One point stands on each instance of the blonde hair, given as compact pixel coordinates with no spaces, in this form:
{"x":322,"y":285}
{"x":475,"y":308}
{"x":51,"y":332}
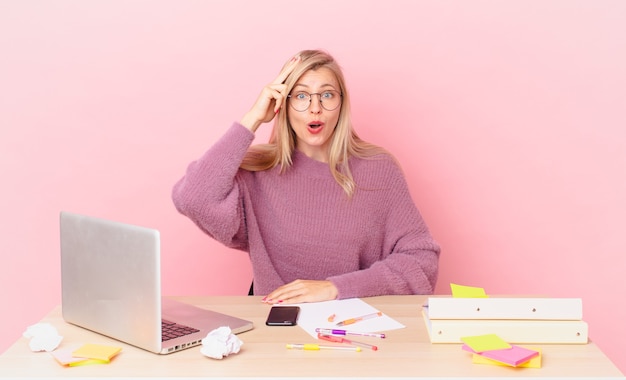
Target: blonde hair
{"x":344,"y":142}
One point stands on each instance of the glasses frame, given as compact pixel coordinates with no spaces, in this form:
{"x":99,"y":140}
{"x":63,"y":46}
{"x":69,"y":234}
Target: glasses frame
{"x":321,"y":101}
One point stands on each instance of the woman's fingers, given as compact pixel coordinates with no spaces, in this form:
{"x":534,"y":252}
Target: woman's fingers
{"x":278,"y":83}
{"x":278,"y":95}
{"x":303,"y":291}
{"x":288,"y":69}
{"x":271,"y":98}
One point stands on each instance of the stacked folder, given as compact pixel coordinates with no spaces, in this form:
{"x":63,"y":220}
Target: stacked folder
{"x":515,"y":320}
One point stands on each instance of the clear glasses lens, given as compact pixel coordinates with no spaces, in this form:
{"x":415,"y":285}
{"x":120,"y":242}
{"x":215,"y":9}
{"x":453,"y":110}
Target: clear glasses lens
{"x":329,"y":100}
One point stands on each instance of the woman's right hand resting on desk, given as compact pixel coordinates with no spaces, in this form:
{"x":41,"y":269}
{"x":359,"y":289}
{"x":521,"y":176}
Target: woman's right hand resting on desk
{"x":302,"y":291}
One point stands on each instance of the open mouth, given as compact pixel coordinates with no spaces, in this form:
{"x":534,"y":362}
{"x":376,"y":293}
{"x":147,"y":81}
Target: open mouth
{"x":315,"y":126}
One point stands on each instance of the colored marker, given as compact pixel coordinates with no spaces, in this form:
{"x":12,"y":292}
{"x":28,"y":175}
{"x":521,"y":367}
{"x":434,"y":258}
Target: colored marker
{"x":345,"y":332}
{"x":361,"y":318}
{"x":317,"y":347}
{"x":338,"y":339}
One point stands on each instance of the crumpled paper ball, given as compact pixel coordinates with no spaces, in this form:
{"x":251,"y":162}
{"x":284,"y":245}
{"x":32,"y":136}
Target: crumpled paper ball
{"x":220,"y":342}
{"x":43,"y":337}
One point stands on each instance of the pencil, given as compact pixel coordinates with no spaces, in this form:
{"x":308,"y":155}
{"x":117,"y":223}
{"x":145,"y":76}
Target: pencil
{"x":317,"y":347}
{"x":361,"y":318}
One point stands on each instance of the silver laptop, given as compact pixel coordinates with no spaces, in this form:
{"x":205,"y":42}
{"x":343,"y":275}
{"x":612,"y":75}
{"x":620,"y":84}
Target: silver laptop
{"x":111,"y":284}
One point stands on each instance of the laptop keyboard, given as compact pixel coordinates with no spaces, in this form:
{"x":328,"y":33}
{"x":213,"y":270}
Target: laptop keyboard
{"x":172,"y":330}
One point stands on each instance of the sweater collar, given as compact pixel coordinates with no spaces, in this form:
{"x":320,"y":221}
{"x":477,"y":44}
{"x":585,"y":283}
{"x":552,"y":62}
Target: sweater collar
{"x":302,"y":162}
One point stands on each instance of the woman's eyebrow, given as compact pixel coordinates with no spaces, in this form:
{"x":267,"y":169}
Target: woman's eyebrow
{"x":307,"y":86}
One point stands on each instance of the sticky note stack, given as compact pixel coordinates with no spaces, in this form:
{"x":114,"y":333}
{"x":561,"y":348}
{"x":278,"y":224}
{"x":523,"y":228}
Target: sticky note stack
{"x":85,"y":354}
{"x":518,"y":320}
{"x":491,"y":349}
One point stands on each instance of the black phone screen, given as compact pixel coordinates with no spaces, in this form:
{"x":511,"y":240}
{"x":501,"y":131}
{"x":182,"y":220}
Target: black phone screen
{"x":283,"y":316}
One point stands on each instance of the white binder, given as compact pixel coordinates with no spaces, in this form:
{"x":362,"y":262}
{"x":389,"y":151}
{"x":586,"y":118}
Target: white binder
{"x":512,"y":331}
{"x":505,"y":308}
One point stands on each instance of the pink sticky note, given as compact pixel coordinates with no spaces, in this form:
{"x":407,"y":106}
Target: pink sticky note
{"x":535,"y":362}
{"x":513,"y":356}
{"x":64,"y":356}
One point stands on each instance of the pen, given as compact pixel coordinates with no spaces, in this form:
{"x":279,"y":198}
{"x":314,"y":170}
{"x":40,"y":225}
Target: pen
{"x":339,"y":339}
{"x":344,"y":332}
{"x":361,"y":318}
{"x":317,"y":347}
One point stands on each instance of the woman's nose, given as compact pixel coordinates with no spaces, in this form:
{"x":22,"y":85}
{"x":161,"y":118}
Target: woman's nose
{"x":316,"y":104}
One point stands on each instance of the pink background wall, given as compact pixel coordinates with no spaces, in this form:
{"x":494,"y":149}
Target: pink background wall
{"x":507,"y":116}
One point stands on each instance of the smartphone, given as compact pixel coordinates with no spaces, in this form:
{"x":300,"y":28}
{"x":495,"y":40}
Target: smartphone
{"x":283,"y":316}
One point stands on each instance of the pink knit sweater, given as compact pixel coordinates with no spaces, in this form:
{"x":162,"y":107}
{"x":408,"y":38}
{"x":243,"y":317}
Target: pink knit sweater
{"x":301,"y":225}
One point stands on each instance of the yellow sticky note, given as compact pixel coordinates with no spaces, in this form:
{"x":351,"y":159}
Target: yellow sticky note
{"x":461,"y":291}
{"x":532,"y":363}
{"x":97,"y":351}
{"x":89,"y":362}
{"x":487,"y":342}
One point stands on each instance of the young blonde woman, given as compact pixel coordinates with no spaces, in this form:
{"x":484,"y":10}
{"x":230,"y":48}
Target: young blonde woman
{"x":323,"y":214}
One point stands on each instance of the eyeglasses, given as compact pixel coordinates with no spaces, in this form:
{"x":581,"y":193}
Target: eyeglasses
{"x":329,"y":100}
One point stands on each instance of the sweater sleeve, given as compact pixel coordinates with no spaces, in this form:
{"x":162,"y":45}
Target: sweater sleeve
{"x":409,"y":261}
{"x":209,"y":193}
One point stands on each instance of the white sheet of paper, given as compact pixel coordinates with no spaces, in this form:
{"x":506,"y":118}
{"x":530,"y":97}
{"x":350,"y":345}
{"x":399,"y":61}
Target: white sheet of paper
{"x":315,"y":315}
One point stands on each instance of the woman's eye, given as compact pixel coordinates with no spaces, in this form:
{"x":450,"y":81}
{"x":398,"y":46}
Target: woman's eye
{"x":327,"y":95}
{"x":302,"y":96}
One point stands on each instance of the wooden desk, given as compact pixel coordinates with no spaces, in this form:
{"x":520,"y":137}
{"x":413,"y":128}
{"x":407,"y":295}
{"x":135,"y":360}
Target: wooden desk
{"x":405,"y":353}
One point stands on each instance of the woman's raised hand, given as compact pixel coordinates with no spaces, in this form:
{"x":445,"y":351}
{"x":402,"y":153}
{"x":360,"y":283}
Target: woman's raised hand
{"x":270,"y":100}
